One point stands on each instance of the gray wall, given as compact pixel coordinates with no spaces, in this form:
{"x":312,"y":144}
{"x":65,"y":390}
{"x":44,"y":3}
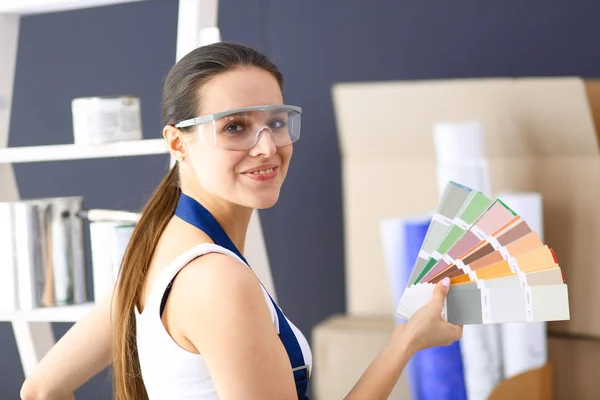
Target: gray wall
{"x":129,"y":49}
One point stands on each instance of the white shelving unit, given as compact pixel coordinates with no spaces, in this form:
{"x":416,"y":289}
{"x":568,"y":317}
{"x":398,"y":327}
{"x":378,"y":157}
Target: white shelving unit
{"x":62,"y":152}
{"x":197,"y":25}
{"x":32,"y":328}
{"x":27,"y":7}
{"x":48,"y":314}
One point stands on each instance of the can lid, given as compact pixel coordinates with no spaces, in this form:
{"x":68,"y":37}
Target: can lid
{"x":129,"y":98}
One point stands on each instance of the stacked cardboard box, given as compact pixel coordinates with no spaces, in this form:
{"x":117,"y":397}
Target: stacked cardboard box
{"x":540,"y":135}
{"x":344,"y":347}
{"x":575,"y":363}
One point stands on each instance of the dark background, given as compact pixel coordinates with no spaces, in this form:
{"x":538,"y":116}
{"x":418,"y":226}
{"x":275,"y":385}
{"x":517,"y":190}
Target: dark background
{"x":128,"y":49}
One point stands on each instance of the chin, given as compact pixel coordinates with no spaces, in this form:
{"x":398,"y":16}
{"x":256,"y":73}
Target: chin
{"x":262,"y":201}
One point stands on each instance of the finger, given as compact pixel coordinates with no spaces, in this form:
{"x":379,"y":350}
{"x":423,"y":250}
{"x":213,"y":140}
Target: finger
{"x":456,"y":331}
{"x":440,"y":291}
{"x":452,"y":333}
{"x":459,"y":330}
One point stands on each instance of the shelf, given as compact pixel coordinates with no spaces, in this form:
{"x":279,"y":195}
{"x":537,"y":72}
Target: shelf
{"x":63,"y":152}
{"x":48,"y":314}
{"x":25,"y":7}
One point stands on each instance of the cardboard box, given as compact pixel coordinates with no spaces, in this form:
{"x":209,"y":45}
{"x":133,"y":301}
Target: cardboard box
{"x":343,"y":348}
{"x":575,"y":368}
{"x":539,"y":136}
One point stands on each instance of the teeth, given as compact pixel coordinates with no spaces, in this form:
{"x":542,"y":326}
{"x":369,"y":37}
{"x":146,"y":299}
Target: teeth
{"x":266,"y":171}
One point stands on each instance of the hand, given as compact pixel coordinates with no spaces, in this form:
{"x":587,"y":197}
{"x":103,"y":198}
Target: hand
{"x":426,"y":328}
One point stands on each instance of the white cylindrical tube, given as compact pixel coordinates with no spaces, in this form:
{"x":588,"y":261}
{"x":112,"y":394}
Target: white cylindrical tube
{"x":460,"y":155}
{"x":482,"y":359}
{"x":524,"y":347}
{"x":524,"y":344}
{"x":457,"y":141}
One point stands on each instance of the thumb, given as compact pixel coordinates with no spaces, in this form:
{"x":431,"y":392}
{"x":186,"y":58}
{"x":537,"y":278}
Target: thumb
{"x":440,"y":291}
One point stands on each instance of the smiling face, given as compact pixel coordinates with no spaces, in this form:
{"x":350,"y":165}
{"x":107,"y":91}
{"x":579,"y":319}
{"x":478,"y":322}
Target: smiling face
{"x":250,"y":178}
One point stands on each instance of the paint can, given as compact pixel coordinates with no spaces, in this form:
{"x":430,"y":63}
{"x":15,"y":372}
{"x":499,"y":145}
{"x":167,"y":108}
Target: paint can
{"x":106,"y":119}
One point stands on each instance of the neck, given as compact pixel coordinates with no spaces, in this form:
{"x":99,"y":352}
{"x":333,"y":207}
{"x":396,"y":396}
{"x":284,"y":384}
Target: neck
{"x":233,"y":218}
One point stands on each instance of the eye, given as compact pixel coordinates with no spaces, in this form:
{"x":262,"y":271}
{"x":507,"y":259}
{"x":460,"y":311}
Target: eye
{"x":234,"y":128}
{"x":277,"y":124}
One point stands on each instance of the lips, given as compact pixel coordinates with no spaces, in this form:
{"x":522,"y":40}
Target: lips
{"x":262,"y":169}
{"x":262,"y":173}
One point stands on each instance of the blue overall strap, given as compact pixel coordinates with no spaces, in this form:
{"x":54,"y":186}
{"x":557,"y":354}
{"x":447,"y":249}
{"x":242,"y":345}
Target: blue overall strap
{"x":195,"y":214}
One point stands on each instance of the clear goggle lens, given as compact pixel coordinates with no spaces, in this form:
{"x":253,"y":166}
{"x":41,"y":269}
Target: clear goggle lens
{"x":241,"y":129}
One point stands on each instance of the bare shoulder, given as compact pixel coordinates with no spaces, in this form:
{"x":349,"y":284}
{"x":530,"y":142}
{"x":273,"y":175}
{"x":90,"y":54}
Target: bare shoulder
{"x":215,"y":290}
{"x":214,"y":275}
{"x":219,"y":308}
{"x":210,"y":280}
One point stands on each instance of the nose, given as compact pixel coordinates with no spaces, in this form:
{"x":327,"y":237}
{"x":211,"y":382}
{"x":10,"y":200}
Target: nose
{"x":265,"y":145}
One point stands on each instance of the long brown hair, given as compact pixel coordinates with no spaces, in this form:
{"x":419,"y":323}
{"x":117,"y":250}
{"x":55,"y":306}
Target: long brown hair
{"x":180,"y":101}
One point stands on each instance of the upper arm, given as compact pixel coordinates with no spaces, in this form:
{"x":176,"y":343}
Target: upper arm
{"x":218,"y":305}
{"x":84,"y":351}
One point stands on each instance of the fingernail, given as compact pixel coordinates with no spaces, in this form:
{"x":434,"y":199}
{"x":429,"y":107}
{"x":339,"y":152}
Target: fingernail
{"x":446,"y":282}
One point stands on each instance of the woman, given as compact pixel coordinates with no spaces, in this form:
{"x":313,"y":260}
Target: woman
{"x":189,"y":319}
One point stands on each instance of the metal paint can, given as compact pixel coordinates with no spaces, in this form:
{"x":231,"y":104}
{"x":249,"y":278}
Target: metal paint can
{"x":106,"y":119}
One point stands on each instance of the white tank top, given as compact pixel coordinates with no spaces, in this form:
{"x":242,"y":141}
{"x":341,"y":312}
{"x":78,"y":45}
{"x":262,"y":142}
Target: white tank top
{"x":170,"y":372}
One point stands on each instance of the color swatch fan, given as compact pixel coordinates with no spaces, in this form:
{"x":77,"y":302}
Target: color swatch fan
{"x":499,"y":268}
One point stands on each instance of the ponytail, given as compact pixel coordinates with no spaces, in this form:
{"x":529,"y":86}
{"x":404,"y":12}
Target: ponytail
{"x":128,"y":384}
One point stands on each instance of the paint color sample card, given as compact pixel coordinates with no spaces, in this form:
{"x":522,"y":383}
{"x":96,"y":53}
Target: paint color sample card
{"x":533,"y":260}
{"x":469,"y":215}
{"x":470,"y":305}
{"x":496,"y":217}
{"x":460,"y":208}
{"x":454,"y":199}
{"x":487,"y":255}
{"x":500,"y":270}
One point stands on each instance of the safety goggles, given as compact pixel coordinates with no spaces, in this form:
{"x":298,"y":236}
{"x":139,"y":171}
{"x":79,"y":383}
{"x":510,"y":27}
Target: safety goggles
{"x":241,"y":128}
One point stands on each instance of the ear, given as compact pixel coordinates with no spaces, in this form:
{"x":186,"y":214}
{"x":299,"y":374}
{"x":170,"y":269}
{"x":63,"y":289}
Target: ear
{"x":174,"y":139}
